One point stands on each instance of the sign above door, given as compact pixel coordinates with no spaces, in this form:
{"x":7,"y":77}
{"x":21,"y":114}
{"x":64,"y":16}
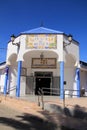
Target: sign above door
{"x":44,"y":63}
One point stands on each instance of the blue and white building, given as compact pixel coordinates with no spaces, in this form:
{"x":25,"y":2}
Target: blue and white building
{"x":43,"y":58}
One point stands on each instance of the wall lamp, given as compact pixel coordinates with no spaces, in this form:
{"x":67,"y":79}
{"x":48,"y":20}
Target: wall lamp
{"x":12,"y":40}
{"x":69,"y":39}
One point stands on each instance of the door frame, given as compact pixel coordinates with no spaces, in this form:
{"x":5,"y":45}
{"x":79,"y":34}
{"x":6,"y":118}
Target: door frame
{"x":43,"y":74}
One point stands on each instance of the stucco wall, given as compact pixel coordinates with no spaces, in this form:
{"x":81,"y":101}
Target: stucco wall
{"x":71,"y":49}
{"x":12,"y":49}
{"x":12,"y":80}
{"x":83,"y":78}
{"x":2,"y":81}
{"x":69,"y":74}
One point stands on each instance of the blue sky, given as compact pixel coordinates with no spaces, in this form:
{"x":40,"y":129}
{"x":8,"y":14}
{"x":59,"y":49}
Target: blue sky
{"x":69,"y":16}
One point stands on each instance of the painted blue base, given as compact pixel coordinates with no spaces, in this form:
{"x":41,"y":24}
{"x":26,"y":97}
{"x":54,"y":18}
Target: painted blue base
{"x":5,"y":86}
{"x":18,"y":79}
{"x":78,"y":81}
{"x":62,"y":80}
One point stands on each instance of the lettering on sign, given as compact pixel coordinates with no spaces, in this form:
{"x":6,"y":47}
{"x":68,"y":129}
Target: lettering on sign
{"x":43,"y":63}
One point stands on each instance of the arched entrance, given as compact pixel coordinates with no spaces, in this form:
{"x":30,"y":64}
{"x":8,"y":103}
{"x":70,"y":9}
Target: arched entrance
{"x":41,"y":72}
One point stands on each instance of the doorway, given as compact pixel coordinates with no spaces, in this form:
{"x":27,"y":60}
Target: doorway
{"x":43,"y":81}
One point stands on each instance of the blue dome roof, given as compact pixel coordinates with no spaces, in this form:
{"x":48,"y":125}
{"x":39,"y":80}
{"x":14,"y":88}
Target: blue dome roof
{"x":42,"y":30}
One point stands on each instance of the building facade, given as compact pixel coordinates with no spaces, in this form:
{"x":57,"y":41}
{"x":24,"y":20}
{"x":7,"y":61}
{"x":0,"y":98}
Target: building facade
{"x":42,"y":58}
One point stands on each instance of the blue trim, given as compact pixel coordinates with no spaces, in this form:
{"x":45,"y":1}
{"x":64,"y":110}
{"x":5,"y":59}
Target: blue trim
{"x":18,"y":79}
{"x":6,"y":80}
{"x":78,"y":81}
{"x":62,"y":79}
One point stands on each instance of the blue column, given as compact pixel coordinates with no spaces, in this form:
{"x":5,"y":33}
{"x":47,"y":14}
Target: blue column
{"x":6,"y":80}
{"x":77,"y":79}
{"x":62,"y":79}
{"x":18,"y":79}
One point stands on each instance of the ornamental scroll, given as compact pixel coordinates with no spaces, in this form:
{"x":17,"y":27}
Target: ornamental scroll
{"x":41,"y":41}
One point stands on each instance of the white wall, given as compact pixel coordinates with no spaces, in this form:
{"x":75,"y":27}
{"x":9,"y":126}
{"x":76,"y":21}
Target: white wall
{"x":12,"y":49}
{"x":69,"y":74}
{"x":83,"y":79}
{"x":2,"y":82}
{"x":12,"y":80}
{"x":72,"y":49}
{"x":22,"y":85}
{"x":60,"y":47}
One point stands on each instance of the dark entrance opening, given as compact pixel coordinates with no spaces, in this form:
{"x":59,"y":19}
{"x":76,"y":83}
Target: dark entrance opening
{"x":43,"y":81}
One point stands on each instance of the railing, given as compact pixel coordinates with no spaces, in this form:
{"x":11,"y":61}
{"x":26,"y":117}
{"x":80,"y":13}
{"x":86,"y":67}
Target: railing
{"x":70,"y":93}
{"x":43,"y":91}
{"x":40,"y":94}
{"x":9,"y":90}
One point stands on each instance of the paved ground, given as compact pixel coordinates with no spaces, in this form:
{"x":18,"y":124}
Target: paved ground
{"x":19,"y":114}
